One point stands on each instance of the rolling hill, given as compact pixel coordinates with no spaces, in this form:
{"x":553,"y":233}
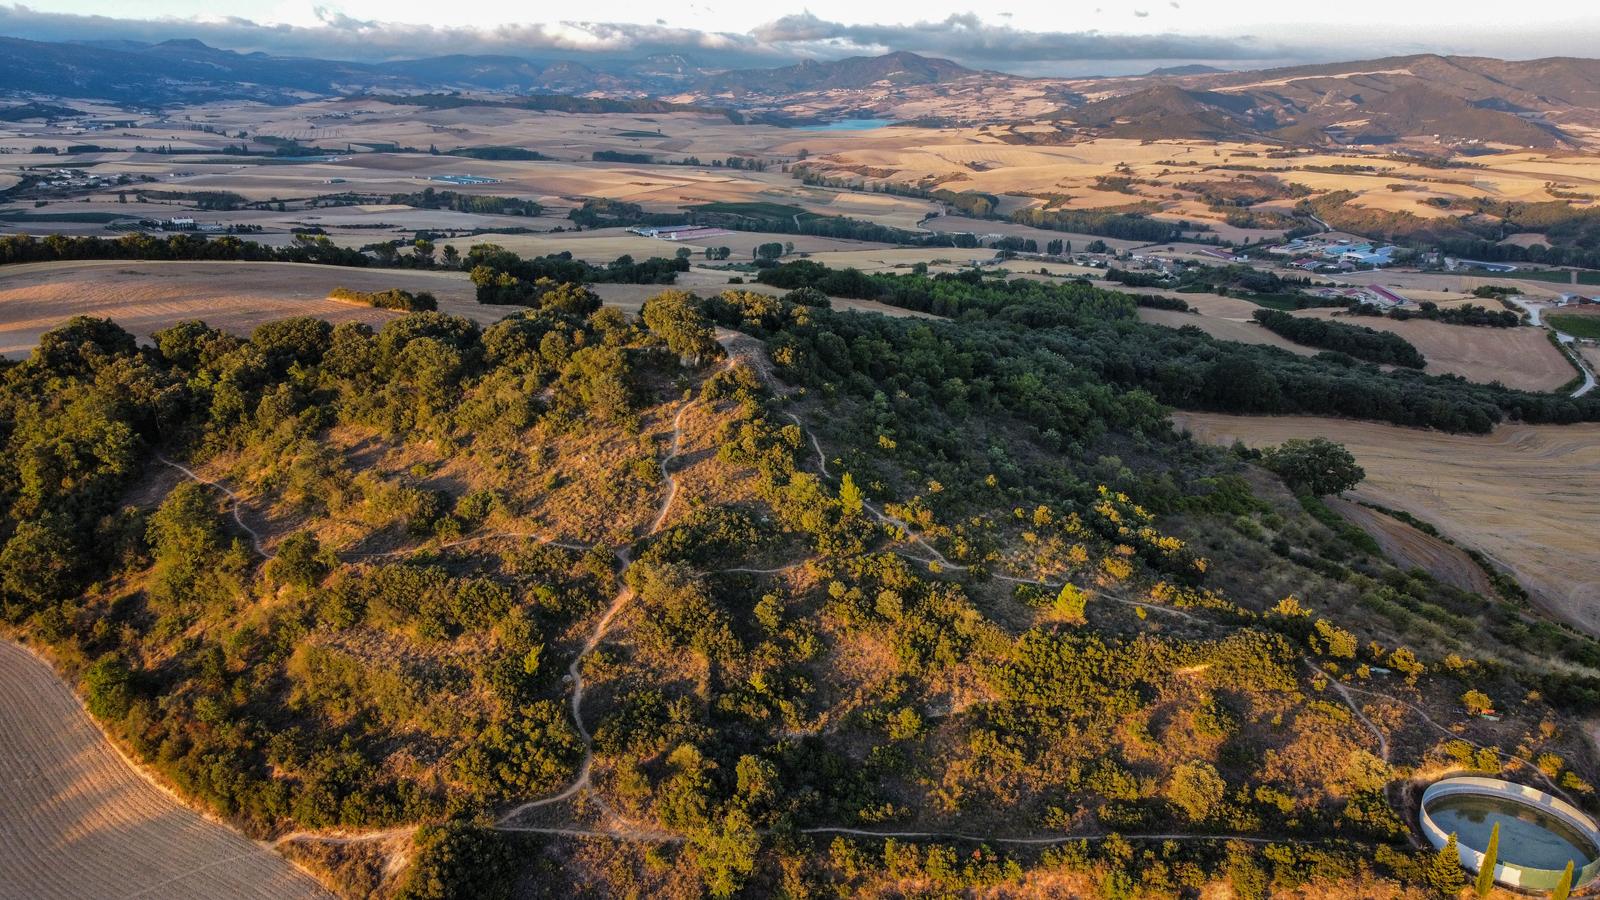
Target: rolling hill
{"x":1456,"y":100}
{"x":856,"y":72}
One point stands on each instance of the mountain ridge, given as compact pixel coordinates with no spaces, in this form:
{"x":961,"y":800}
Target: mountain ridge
{"x":1539,"y":103}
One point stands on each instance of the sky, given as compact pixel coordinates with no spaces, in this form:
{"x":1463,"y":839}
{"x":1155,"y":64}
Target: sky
{"x":1063,"y":37}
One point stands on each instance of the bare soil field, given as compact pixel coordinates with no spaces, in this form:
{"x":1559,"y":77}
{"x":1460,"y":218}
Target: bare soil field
{"x":1527,"y":496}
{"x":1411,"y":548}
{"x":1520,"y":357}
{"x":145,"y":297}
{"x":1591,"y":353}
{"x":887,"y":258}
{"x":82,"y":823}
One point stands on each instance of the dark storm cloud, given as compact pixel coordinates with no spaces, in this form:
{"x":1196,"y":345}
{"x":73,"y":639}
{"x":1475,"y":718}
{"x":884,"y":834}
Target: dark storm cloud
{"x":964,"y":38}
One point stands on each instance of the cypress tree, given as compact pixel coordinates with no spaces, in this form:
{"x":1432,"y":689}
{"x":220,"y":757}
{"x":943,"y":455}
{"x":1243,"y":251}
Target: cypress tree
{"x":1486,"y":871}
{"x":1564,"y":886}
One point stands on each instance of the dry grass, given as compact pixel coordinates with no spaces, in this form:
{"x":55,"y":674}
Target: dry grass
{"x":1526,"y":495}
{"x":81,"y":822}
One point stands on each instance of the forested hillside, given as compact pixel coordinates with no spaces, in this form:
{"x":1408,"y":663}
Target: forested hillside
{"x":749,"y":595}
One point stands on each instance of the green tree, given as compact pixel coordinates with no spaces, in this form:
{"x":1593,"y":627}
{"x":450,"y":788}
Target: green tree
{"x":850,"y":497}
{"x":683,"y":799}
{"x":458,"y":861}
{"x":1444,"y":873}
{"x":1197,"y":789}
{"x":1564,"y":886}
{"x":676,"y":317}
{"x":1071,"y":603}
{"x":38,"y":563}
{"x":1317,"y":466}
{"x":1490,"y":856}
{"x":301,"y":561}
{"x":726,"y":854}
{"x":106,"y":687}
{"x":1477,"y":702}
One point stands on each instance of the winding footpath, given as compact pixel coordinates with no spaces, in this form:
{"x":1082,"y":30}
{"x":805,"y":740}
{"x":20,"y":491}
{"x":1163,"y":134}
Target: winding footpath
{"x":624,"y":555}
{"x":616,"y":827}
{"x":235,"y":505}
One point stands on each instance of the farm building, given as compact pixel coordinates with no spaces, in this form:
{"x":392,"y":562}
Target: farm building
{"x":678,"y":232}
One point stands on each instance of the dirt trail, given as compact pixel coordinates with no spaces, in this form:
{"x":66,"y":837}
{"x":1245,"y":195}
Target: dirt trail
{"x":235,"y":506}
{"x":618,"y":603}
{"x":81,"y":821}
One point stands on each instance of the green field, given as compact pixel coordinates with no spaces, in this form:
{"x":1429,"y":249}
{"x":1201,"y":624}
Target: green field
{"x":1576,"y":325}
{"x":17,"y":215}
{"x":756,"y":209}
{"x":1553,"y":276}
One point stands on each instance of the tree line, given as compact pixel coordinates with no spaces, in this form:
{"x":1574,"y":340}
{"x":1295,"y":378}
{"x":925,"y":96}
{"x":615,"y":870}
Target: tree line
{"x":1382,"y":347}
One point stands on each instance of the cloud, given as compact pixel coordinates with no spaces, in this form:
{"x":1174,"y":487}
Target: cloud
{"x":339,"y":36}
{"x":965,"y":38}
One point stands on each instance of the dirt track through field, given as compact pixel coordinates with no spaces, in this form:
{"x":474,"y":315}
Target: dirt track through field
{"x":78,"y":821}
{"x":1527,"y":496}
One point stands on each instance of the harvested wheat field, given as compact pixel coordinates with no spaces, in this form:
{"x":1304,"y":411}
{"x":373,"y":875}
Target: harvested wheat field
{"x":1520,"y":357}
{"x":145,"y":297}
{"x":1527,"y":496}
{"x":1411,"y":548}
{"x":1222,"y":328}
{"x":81,"y":822}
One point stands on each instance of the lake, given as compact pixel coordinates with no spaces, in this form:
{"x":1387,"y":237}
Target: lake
{"x":849,"y":125}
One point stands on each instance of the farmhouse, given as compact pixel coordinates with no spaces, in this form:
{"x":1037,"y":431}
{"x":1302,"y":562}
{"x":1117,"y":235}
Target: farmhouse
{"x":1371,"y":295}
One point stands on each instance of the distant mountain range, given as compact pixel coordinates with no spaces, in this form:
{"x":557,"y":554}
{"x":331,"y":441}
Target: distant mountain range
{"x":188,"y":70}
{"x":1455,"y":98}
{"x":1537,"y":103}
{"x":893,"y":69}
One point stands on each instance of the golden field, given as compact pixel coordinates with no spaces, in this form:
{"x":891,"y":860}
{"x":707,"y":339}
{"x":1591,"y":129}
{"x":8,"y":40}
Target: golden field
{"x":1519,"y":495}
